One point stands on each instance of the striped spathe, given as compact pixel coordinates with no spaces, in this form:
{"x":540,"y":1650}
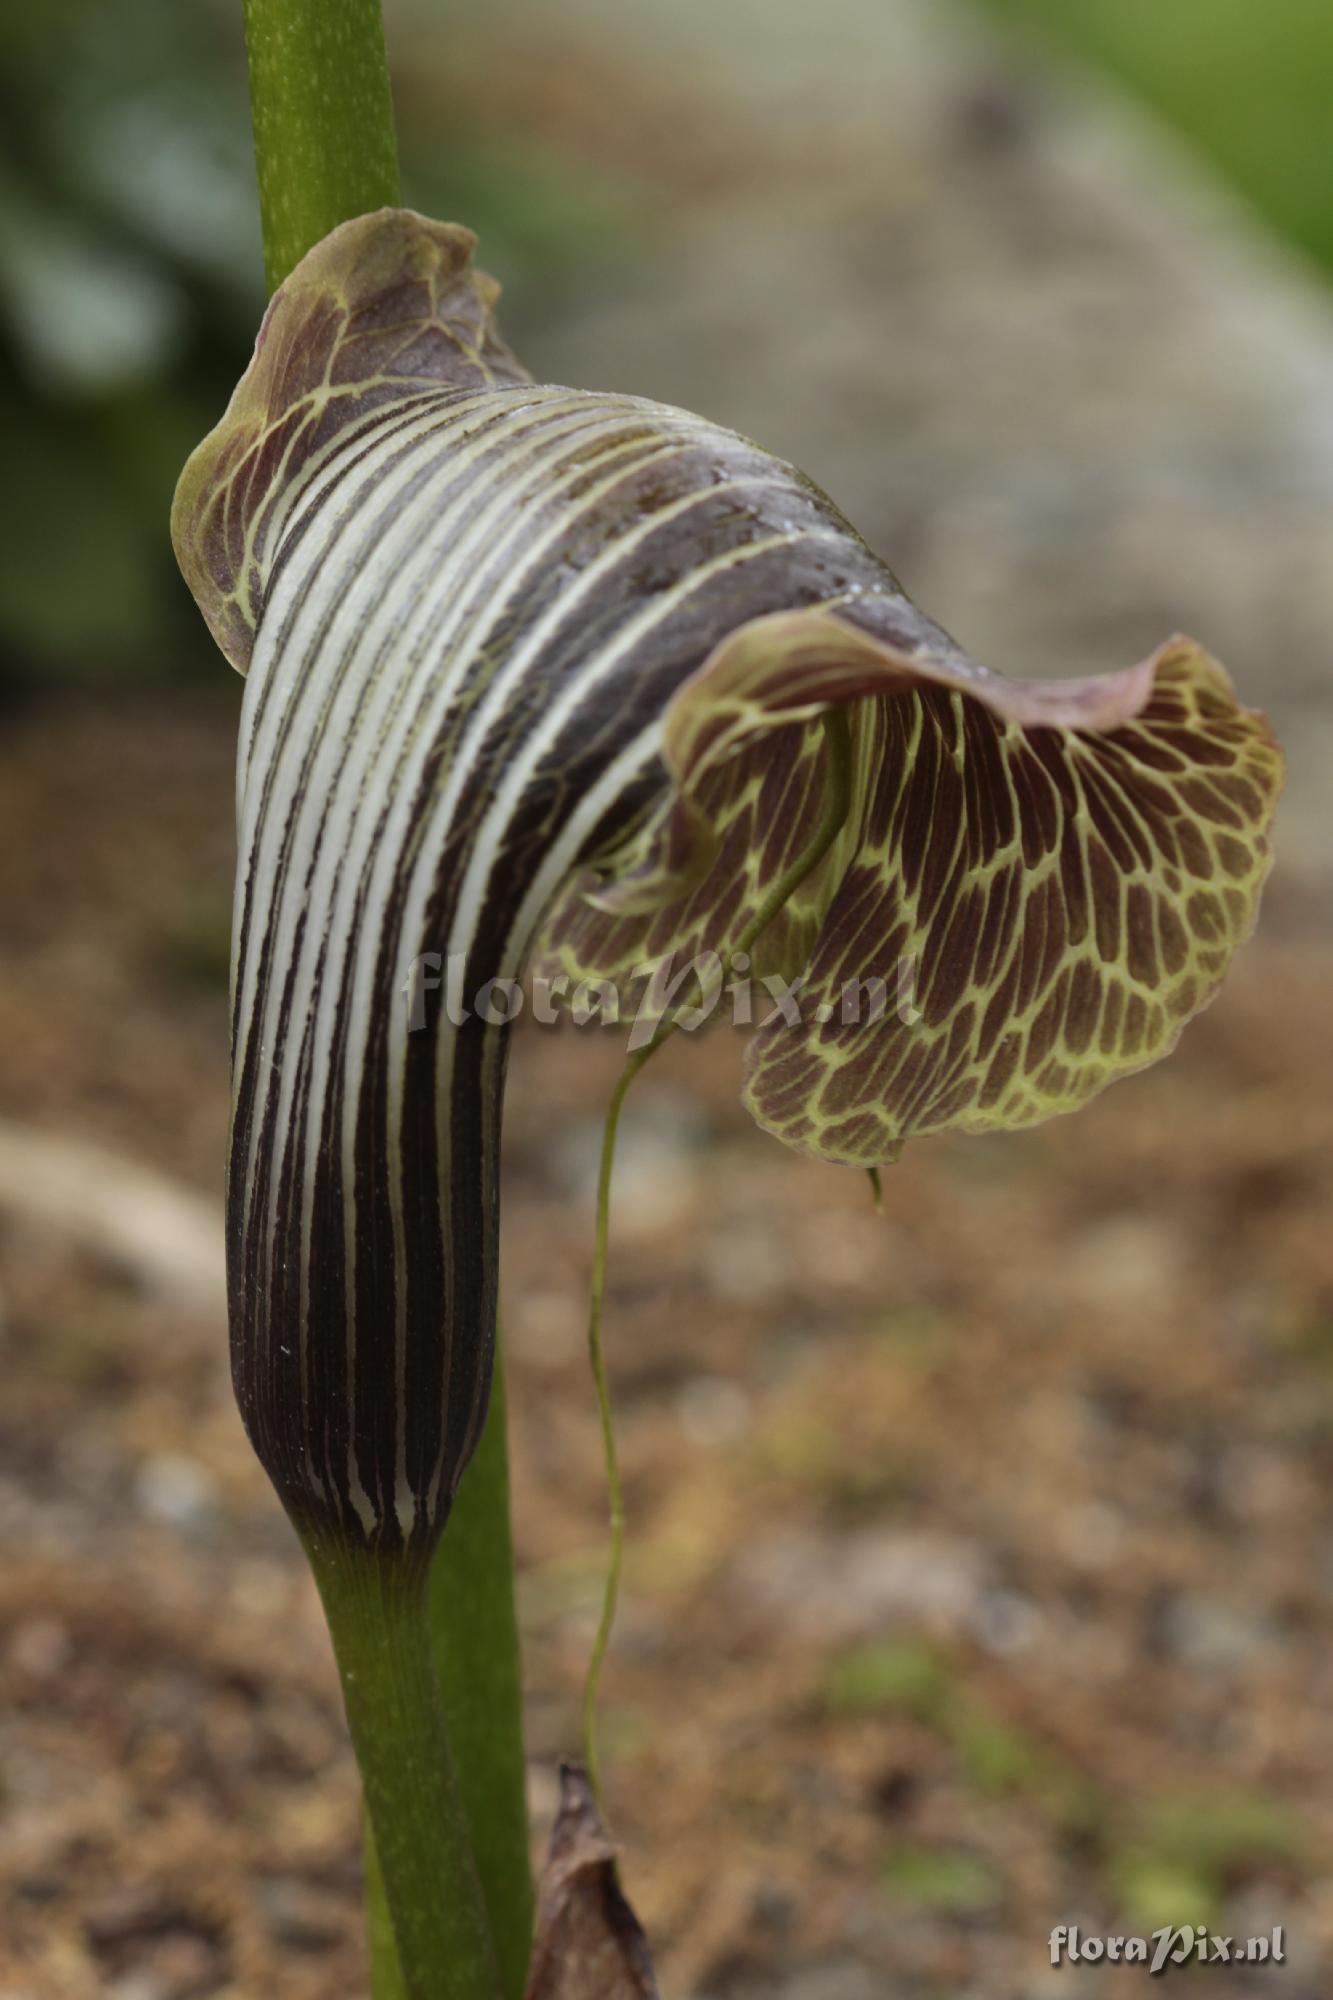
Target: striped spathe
{"x":518,"y":657}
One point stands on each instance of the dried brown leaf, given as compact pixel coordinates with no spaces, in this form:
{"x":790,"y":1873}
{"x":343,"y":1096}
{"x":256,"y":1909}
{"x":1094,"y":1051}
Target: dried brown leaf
{"x":589,"y":1943}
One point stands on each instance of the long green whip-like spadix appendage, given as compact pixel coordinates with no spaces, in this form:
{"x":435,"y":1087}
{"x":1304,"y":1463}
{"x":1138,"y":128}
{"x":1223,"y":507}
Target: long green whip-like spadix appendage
{"x":537,"y":677}
{"x":836,"y":791}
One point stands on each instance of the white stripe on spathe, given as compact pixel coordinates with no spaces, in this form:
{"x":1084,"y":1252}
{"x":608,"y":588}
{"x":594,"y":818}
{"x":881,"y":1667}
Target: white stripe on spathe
{"x":418,"y":732}
{"x":312,"y":568}
{"x":488,"y":842}
{"x":362,"y":837}
{"x":303,"y":764}
{"x":308,"y":585}
{"x":273,"y":832}
{"x":368,"y":679}
{"x":422,"y":884}
{"x":371,"y":653}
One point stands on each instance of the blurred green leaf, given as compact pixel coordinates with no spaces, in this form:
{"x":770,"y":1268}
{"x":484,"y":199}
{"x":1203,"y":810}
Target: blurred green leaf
{"x":947,"y":1880}
{"x":1185,"y":1854}
{"x":905,"y":1676}
{"x":1249,"y":86}
{"x":995,"y":1757}
{"x":131,"y":283}
{"x":1154,"y":1893}
{"x":1226,"y":1832}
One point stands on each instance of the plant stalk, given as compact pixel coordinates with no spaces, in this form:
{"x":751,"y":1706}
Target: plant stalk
{"x":322,"y":110}
{"x":474,"y":1629}
{"x":474,"y":1636}
{"x":378,"y":1613}
{"x":386,"y":1974}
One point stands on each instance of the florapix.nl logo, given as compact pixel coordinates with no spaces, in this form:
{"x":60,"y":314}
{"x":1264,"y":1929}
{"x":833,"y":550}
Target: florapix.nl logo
{"x":695,"y":991}
{"x":1165,"y":1950}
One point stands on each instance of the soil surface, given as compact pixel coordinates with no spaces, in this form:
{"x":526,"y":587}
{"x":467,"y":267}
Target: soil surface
{"x":980,"y":1550}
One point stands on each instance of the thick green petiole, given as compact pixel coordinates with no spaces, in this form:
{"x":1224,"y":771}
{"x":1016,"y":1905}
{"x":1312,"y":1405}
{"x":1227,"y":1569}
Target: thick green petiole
{"x":386,"y":1974}
{"x":379,"y":1617}
{"x":477,"y":1671}
{"x":475,"y":1634}
{"x":325,"y":148}
{"x":474,"y":1637}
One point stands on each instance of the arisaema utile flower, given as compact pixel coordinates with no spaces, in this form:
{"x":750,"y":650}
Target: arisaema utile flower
{"x":541,"y":678}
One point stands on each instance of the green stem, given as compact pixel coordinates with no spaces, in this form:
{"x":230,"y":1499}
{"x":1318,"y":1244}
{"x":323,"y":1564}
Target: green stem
{"x":378,"y":1613}
{"x":475,"y":1635}
{"x":322,"y":110}
{"x":832,"y":819}
{"x":386,"y":1974}
{"x":597,"y":1356}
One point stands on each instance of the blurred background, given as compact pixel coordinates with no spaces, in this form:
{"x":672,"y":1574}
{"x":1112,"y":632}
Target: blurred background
{"x":981,"y":1552}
